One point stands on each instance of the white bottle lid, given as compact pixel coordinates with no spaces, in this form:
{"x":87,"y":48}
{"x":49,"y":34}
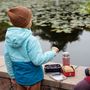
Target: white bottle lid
{"x":66,"y":54}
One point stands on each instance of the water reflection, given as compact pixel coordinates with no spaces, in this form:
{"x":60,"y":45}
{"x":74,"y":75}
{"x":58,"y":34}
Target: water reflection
{"x":3,"y":27}
{"x":58,"y":39}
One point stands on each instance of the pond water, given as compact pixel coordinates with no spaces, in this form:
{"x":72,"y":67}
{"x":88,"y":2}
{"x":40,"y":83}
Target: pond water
{"x":79,"y":49}
{"x":52,"y":18}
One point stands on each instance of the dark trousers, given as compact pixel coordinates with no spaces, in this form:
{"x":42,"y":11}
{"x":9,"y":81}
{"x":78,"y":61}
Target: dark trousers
{"x":82,"y":85}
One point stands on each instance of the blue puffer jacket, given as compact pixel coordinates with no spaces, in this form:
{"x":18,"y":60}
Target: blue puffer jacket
{"x":24,"y":56}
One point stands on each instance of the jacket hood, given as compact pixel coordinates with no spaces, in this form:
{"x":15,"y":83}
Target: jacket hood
{"x":16,"y":36}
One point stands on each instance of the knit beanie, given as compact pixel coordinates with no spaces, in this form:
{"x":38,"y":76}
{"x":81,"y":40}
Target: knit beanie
{"x":20,"y":16}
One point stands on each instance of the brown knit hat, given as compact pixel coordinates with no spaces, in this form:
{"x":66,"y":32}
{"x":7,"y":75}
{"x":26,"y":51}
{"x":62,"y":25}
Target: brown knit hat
{"x":20,"y":16}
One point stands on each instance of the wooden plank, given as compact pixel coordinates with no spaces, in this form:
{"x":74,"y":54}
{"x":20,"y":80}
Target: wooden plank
{"x":68,"y":84}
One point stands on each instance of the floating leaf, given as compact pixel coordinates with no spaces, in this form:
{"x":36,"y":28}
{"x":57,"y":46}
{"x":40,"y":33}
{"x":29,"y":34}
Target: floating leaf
{"x":59,"y":31}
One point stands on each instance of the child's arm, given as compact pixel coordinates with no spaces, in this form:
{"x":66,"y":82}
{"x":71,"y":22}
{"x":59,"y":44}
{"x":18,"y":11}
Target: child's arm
{"x":9,"y":65}
{"x":37,"y":56}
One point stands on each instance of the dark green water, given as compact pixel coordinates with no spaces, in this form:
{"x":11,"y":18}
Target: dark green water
{"x":79,"y":49}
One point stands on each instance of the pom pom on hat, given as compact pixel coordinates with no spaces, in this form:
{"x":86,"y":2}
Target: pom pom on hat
{"x":20,"y":16}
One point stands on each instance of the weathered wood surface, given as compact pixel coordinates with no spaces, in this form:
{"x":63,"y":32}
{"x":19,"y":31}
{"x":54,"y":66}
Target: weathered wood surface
{"x":47,"y":83}
{"x":67,"y":84}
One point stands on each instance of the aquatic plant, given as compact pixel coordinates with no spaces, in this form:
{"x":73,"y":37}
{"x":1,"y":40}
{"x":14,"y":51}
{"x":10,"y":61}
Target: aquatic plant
{"x":57,"y":15}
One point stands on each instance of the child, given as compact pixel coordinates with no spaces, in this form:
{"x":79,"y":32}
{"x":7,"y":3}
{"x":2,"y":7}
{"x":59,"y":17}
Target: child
{"x":85,"y":83}
{"x":23,"y":53}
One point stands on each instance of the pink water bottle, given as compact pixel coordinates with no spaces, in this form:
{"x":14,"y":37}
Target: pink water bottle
{"x":66,"y":58}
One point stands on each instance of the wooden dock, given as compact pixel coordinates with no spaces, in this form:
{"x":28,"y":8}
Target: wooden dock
{"x":47,"y":84}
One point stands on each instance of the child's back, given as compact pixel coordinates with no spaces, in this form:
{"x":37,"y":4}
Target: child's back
{"x":23,"y":53}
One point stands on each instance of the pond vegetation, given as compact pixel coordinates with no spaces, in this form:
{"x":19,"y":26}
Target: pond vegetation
{"x":52,"y":20}
{"x":59,"y":15}
{"x":58,"y":21}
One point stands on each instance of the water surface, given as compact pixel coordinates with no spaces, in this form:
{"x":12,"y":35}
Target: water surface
{"x":49,"y":16}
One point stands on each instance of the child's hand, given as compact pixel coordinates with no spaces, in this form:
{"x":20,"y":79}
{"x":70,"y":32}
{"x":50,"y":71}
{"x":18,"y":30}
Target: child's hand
{"x":55,"y":49}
